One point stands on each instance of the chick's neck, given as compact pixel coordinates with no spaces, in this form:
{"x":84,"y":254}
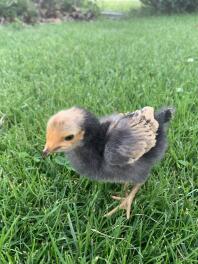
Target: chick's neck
{"x":95,"y":135}
{"x":90,"y":153}
{"x":87,"y":159}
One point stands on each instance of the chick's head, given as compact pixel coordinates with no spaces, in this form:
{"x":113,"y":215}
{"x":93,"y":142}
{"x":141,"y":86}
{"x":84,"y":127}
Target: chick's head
{"x":64,"y":131}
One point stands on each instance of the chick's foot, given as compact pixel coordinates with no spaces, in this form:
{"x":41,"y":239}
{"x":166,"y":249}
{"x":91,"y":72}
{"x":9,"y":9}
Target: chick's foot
{"x":126,"y":202}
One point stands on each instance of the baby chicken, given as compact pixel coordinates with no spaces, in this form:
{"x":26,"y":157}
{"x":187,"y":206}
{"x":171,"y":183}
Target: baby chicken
{"x":118,"y":148}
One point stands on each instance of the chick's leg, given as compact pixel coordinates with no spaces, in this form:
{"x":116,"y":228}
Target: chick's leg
{"x":126,"y":202}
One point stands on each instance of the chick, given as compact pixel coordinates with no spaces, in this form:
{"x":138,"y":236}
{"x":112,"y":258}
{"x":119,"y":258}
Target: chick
{"x":118,"y":148}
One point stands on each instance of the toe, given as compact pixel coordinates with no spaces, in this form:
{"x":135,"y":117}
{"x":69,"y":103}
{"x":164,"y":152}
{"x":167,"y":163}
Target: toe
{"x":128,"y":211}
{"x":118,"y":198}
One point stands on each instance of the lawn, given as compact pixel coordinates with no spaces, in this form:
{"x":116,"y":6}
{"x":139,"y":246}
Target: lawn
{"x":47,"y":213}
{"x":118,"y":5}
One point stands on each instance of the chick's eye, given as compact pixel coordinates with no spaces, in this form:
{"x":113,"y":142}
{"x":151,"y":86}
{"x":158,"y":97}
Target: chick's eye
{"x":70,"y":137}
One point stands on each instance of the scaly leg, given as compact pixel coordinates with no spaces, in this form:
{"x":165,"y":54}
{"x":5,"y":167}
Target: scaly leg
{"x":126,"y":202}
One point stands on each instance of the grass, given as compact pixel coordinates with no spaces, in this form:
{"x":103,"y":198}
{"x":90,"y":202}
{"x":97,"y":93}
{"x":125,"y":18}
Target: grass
{"x":47,"y":213}
{"x":119,"y":5}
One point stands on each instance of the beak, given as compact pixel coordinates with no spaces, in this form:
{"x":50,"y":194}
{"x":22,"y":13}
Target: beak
{"x":46,"y":152}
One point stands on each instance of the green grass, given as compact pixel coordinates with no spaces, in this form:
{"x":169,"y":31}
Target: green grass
{"x":118,"y":5}
{"x":47,"y":213}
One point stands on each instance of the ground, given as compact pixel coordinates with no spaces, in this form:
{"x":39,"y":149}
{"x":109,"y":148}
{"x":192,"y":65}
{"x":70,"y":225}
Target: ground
{"x":47,"y":213}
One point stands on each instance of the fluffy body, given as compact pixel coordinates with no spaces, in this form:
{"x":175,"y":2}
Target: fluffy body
{"x":101,"y":144}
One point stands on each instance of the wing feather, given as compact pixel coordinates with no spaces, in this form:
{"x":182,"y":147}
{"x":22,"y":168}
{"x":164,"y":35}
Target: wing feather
{"x":140,"y":129}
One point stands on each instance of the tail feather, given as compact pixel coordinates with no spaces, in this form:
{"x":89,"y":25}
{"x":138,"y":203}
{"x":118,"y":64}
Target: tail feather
{"x":164,"y":115}
{"x":169,"y":112}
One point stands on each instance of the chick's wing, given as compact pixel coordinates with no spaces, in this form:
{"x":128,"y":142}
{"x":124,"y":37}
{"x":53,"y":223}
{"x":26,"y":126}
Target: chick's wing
{"x":131,"y":136}
{"x":113,"y":119}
